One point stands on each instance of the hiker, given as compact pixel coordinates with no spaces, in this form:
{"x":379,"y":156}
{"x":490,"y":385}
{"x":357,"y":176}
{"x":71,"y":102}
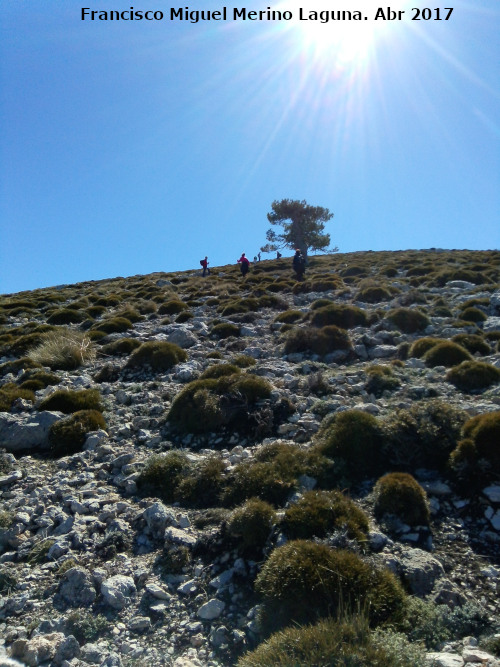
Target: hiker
{"x":204,"y":263}
{"x":258,"y":256}
{"x":244,"y":264}
{"x":299,"y":264}
{"x":278,"y":254}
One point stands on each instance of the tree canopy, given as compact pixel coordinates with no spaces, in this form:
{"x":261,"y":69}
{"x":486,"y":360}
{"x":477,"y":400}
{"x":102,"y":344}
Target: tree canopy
{"x":302,"y":225}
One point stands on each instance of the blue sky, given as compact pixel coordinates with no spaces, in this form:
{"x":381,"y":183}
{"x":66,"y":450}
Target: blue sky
{"x":129,"y":147}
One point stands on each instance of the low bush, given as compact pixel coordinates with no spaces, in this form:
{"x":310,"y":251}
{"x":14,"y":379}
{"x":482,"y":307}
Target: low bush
{"x":18,"y":365}
{"x":473,"y":315}
{"x":162,"y":474}
{"x":10,"y":392}
{"x":68,"y":401}
{"x":317,"y":341}
{"x":121,"y":346}
{"x":399,"y":494}
{"x":202,"y":484}
{"x":346,"y":642}
{"x":86,"y":626}
{"x":244,"y":361}
{"x":68,"y":436}
{"x":157,"y":355}
{"x":37,"y":379}
{"x":302,"y":582}
{"x":225,"y":330}
{"x":476,"y":458}
{"x":207,"y":404}
{"x":63,"y":349}
{"x":289,"y":317}
{"x":472,"y":343}
{"x":340,"y":315}
{"x":66,"y":316}
{"x":318,"y":513}
{"x":355,"y":437}
{"x":473,"y":376}
{"x":114,"y":325}
{"x":218,"y":370}
{"x":373,"y":294}
{"x":258,"y":479}
{"x":446,"y":354}
{"x":423,"y":345}
{"x":421,"y":436}
{"x":252,"y":523}
{"x":409,"y":320}
{"x":380,"y":379}
{"x":172,"y":307}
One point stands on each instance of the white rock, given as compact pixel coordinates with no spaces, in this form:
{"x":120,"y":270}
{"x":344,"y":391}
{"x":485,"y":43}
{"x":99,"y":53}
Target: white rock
{"x":211,"y":609}
{"x":444,"y":660}
{"x":118,"y":590}
{"x":492,"y":493}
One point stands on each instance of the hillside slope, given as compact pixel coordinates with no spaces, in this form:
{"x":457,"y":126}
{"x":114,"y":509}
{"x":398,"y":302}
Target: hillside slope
{"x":165,"y":438}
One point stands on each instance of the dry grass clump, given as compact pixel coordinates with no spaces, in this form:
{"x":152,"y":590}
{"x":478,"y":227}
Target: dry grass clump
{"x":409,"y":320}
{"x":210,"y":403}
{"x":332,"y":642}
{"x":380,"y":379}
{"x":355,"y":437}
{"x":302,"y":582}
{"x":157,"y":355}
{"x":399,"y":494}
{"x":422,"y":436}
{"x":251,"y":523}
{"x":340,"y":315}
{"x":66,"y":316}
{"x":10,"y":392}
{"x":68,"y":436}
{"x":68,"y":401}
{"x":476,"y":459}
{"x":317,"y":341}
{"x":473,"y":376}
{"x":318,"y":513}
{"x":63,"y":349}
{"x":446,"y":353}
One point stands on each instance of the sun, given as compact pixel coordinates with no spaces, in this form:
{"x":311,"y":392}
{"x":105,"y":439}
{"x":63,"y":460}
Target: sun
{"x":344,"y":34}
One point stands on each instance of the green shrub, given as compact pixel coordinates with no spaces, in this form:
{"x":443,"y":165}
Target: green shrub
{"x":8,"y":581}
{"x":121,"y":346}
{"x":335,"y":643}
{"x":131,"y":314}
{"x":86,"y":626}
{"x":472,"y":343}
{"x":68,"y":436}
{"x":374,"y":294}
{"x":380,"y":379}
{"x":473,"y":375}
{"x":68,"y":401}
{"x":172,"y":307}
{"x":114,"y":325}
{"x":317,"y":341}
{"x":162,"y":474}
{"x":202,"y":484}
{"x":258,"y":479}
{"x":244,"y":361}
{"x":289,"y":317}
{"x":302,"y":582}
{"x":185,"y":316}
{"x":318,"y":513}
{"x":252,"y":523}
{"x":218,"y":370}
{"x":15,"y":366}
{"x":66,"y":316}
{"x":63,"y":349}
{"x":476,"y":458}
{"x":39,"y":551}
{"x":447,"y":354}
{"x":157,"y":355}
{"x":422,"y":436}
{"x":355,"y":437}
{"x":409,"y":320}
{"x":10,"y":392}
{"x":95,"y":311}
{"x":340,"y":315}
{"x":109,"y":300}
{"x":423,"y":345}
{"x":473,"y":315}
{"x":38,"y":378}
{"x":400,"y":494}
{"x":229,"y":400}
{"x":225,"y":330}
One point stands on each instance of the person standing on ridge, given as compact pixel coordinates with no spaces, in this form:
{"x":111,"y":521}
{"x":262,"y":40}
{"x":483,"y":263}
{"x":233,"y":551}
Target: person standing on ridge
{"x":204,"y":263}
{"x":299,"y":264}
{"x":244,"y":264}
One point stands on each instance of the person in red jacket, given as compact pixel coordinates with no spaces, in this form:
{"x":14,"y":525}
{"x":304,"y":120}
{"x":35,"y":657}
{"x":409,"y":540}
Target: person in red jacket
{"x":244,"y":264}
{"x":204,"y":263}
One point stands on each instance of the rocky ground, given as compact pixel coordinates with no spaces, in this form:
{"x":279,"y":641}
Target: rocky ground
{"x":85,"y":578}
